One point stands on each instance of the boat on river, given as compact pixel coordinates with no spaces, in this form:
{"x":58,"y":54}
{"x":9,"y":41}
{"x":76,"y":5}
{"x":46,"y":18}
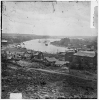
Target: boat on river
{"x":46,"y":44}
{"x":39,"y":41}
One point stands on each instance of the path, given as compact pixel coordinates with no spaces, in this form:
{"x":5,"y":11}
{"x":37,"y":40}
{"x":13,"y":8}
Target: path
{"x":86,"y":78}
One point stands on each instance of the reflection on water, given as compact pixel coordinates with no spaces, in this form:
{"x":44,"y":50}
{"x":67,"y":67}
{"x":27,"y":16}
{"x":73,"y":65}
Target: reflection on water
{"x":39,"y":45}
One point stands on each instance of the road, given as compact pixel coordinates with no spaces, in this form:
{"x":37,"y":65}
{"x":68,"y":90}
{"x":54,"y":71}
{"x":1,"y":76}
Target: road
{"x":83,"y":77}
{"x":48,"y":71}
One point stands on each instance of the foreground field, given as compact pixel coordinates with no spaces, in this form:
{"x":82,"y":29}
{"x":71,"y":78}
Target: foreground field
{"x":35,"y":84}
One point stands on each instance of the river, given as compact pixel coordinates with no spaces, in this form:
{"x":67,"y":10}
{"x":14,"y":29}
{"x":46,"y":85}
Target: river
{"x":39,"y":45}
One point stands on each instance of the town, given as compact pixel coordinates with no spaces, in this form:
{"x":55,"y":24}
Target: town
{"x":80,"y":65}
{"x":49,"y":49}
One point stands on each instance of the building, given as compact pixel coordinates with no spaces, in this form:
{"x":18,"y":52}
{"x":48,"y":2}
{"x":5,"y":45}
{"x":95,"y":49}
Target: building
{"x":62,"y":63}
{"x":69,"y":55}
{"x":27,"y":55}
{"x":55,"y":62}
{"x":4,"y":42}
{"x":84,"y":60}
{"x":38,"y":55}
{"x":50,"y":61}
{"x":3,"y":55}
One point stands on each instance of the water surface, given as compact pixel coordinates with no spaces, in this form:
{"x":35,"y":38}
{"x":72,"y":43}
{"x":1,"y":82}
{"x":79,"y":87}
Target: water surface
{"x":39,"y":45}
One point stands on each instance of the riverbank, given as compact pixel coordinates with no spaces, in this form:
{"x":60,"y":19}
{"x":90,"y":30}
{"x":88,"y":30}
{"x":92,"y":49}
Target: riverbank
{"x":83,"y":43}
{"x":19,"y":38}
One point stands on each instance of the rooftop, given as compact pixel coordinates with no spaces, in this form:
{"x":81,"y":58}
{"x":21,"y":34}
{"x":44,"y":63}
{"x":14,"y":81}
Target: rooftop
{"x":52,"y":59}
{"x":61,"y":62}
{"x":37,"y":53}
{"x":4,"y":41}
{"x":85,"y":53}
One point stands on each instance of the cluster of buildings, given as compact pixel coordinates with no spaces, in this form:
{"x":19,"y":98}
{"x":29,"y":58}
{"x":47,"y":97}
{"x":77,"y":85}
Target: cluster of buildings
{"x":76,"y":59}
{"x":73,"y":59}
{"x":52,"y":61}
{"x":82,"y":59}
{"x":34,"y":56}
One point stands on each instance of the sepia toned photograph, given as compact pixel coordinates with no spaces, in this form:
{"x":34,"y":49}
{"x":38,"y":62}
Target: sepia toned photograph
{"x":49,"y":49}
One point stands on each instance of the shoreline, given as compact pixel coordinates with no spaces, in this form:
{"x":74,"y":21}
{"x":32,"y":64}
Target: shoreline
{"x":58,"y":45}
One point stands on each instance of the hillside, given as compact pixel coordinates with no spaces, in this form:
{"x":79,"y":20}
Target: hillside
{"x":17,"y":38}
{"x":77,"y":43}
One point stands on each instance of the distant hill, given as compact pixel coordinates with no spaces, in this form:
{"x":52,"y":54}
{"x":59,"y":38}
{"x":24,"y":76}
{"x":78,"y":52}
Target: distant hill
{"x":17,"y":38}
{"x":76,"y":37}
{"x":17,"y":34}
{"x":81,"y":42}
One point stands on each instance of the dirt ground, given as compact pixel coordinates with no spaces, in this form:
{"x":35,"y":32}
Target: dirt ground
{"x":40,"y":85}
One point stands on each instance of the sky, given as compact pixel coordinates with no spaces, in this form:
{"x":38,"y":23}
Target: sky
{"x":48,"y":18}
